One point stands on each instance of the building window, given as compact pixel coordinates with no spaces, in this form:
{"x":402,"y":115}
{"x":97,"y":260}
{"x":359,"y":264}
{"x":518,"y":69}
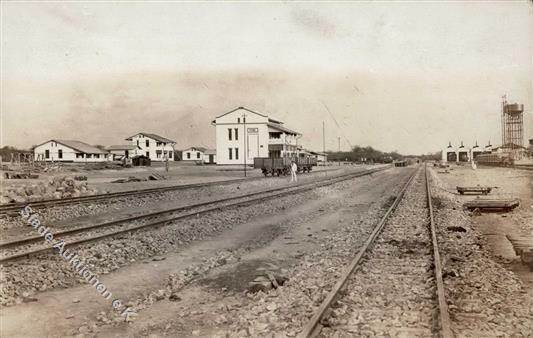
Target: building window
{"x":197,"y":154}
{"x":158,"y":153}
{"x":238,"y":120}
{"x":274,"y":136}
{"x":236,"y":134}
{"x":230,"y":152}
{"x":137,"y":143}
{"x":229,"y":134}
{"x":188,"y":155}
{"x":148,"y":154}
{"x":170,"y":154}
{"x":147,"y":143}
{"x":89,"y":155}
{"x":47,"y":153}
{"x":60,"y":153}
{"x":236,"y":153}
{"x":97,"y":155}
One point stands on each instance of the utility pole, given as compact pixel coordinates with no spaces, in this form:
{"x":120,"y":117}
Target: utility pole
{"x":323,"y":137}
{"x":244,"y":142}
{"x":339,"y":147}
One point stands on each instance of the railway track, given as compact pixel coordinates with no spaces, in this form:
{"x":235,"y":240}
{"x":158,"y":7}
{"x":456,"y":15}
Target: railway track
{"x":29,"y":246}
{"x":15,"y":207}
{"x":393,"y":286}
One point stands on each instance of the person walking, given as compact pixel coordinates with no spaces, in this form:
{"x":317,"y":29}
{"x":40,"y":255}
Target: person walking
{"x":294,"y":169}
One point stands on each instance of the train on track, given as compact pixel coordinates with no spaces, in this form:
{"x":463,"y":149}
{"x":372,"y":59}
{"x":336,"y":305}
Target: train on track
{"x":282,"y":165}
{"x":500,"y":160}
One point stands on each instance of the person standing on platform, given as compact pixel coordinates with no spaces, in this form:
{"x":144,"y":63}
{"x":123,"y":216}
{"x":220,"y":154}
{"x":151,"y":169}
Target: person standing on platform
{"x":294,"y":170}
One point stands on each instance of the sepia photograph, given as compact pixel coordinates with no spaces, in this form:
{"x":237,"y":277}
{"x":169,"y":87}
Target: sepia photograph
{"x":266,"y":168}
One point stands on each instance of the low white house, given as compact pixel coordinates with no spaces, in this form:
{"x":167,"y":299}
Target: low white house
{"x":199,"y":154}
{"x":153,"y":146}
{"x":264,"y":136}
{"x":120,"y":152}
{"x":69,"y":151}
{"x":193,"y":154}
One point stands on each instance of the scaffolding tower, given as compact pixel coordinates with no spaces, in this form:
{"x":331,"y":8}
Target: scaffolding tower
{"x":512,"y":127}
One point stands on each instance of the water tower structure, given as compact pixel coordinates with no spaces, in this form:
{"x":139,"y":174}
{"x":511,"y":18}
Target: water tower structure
{"x":512,"y":128}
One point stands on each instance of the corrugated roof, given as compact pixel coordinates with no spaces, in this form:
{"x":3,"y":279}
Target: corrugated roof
{"x":153,"y":136}
{"x":282,"y":128}
{"x":123,"y":147}
{"x":79,"y":146}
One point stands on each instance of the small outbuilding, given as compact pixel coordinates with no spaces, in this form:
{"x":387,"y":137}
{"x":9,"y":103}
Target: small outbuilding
{"x":210,"y":156}
{"x":199,"y":154}
{"x":193,"y":154}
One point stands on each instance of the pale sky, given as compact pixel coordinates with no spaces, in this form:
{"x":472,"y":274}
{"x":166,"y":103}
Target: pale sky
{"x":406,"y":76}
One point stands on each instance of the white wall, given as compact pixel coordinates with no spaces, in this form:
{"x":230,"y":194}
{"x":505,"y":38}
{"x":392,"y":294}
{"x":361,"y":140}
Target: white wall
{"x":231,"y":121}
{"x":69,"y":154}
{"x":193,"y":155}
{"x":152,"y":147}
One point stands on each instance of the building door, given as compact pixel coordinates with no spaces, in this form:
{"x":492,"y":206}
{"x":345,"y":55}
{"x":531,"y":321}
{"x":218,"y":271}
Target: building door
{"x":127,"y":153}
{"x":148,"y":154}
{"x":252,"y":146}
{"x":211,"y":158}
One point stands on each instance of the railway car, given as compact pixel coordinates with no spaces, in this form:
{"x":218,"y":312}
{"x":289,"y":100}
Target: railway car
{"x":282,"y":165}
{"x":500,"y":160}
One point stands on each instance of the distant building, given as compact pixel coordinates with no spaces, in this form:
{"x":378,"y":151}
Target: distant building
{"x":321,"y":158}
{"x":199,"y":154}
{"x":210,"y":156}
{"x":193,"y":154}
{"x":120,"y":152}
{"x":69,"y":151}
{"x":265,"y":136}
{"x":153,"y":146}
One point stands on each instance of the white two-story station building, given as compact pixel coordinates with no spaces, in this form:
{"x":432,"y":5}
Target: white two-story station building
{"x":264,"y":136}
{"x":155,"y":147}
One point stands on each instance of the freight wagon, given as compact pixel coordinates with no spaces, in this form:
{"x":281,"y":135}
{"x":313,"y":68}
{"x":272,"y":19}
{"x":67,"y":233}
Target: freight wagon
{"x":501,"y":160}
{"x":282,"y":165}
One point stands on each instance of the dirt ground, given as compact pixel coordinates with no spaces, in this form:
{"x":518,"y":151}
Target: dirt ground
{"x":261,"y":243}
{"x":506,"y":183}
{"x":179,"y":173}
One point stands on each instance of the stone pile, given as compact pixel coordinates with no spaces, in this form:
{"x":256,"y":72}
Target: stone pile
{"x":56,"y":188}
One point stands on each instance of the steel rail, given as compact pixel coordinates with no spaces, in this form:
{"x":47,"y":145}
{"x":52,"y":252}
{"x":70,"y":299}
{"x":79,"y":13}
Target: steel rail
{"x":5,"y":208}
{"x":313,"y":325}
{"x":444,"y":316}
{"x":312,"y":328}
{"x":272,"y":193}
{"x":80,"y":199}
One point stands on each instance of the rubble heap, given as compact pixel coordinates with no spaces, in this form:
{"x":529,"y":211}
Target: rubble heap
{"x":56,"y":188}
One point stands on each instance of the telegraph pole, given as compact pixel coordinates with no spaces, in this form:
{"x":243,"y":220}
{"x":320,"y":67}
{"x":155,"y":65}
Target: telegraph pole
{"x":244,"y":141}
{"x":339,"y":147}
{"x":323,"y":137}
